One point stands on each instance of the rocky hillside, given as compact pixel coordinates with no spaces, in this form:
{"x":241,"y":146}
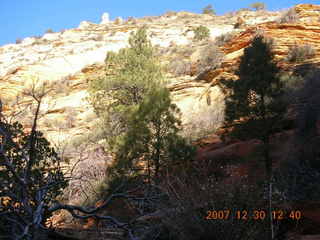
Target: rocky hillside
{"x":68,"y":60}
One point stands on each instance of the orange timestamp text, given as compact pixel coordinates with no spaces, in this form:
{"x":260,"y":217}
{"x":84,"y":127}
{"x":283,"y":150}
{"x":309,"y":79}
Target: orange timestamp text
{"x":252,"y":214}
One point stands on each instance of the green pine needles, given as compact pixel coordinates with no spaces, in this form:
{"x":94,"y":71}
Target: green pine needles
{"x":140,"y":124}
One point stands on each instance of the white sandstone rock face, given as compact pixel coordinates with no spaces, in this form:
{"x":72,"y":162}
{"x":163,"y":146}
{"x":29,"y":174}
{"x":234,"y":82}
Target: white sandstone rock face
{"x":105,"y":18}
{"x":64,"y":55}
{"x":84,"y":25}
{"x":52,"y":36}
{"x":28,"y":41}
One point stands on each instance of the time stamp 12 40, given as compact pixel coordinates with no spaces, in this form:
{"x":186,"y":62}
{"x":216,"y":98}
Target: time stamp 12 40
{"x":252,"y":215}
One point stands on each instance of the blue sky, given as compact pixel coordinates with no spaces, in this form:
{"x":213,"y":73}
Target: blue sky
{"x":25,"y":18}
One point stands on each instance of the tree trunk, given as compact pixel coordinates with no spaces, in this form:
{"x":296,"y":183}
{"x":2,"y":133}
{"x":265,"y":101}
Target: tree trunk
{"x":268,"y":164}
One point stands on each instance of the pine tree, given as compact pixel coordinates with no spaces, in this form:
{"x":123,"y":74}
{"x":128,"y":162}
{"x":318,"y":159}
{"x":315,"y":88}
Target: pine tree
{"x":152,"y":139}
{"x":208,"y":10}
{"x":255,"y":107}
{"x":130,"y":75}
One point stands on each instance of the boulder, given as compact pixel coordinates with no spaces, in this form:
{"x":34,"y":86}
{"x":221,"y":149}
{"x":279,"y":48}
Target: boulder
{"x":105,"y":18}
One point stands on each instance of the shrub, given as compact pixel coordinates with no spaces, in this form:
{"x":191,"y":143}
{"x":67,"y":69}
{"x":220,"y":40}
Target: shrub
{"x":258,"y":6}
{"x":118,"y":21}
{"x":208,"y":10}
{"x":49,"y":31}
{"x":210,"y":58}
{"x":289,"y":16}
{"x":300,"y":174}
{"x":18,"y":40}
{"x":193,"y":197}
{"x":300,"y":53}
{"x":240,"y":23}
{"x":31,"y":176}
{"x":205,"y":117}
{"x":170,"y":14}
{"x":224,"y":38}
{"x":243,"y":10}
{"x":201,"y":33}
{"x":131,"y":20}
{"x":179,"y":67}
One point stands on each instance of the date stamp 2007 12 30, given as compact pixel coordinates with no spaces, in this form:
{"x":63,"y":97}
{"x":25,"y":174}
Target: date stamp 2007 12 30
{"x":252,"y":215}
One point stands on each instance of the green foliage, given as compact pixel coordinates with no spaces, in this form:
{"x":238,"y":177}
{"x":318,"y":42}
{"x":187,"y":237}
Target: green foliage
{"x":131,"y":74}
{"x":255,"y":98}
{"x":45,"y":184}
{"x":152,"y":142}
{"x":45,"y":168}
{"x":208,"y":10}
{"x":291,"y":82}
{"x":300,"y":53}
{"x":201,"y":33}
{"x":258,"y":6}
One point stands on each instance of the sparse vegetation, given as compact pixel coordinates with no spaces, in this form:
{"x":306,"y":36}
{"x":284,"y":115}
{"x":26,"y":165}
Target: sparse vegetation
{"x":118,"y":21}
{"x":205,"y":117}
{"x":298,"y":178}
{"x":224,"y":38}
{"x":243,"y":10}
{"x":37,"y":36}
{"x":31,"y":176}
{"x":18,"y":40}
{"x":289,"y":16}
{"x":258,"y":6}
{"x":208,"y":10}
{"x":194,"y":196}
{"x":210,"y":58}
{"x":201,"y":33}
{"x":300,"y":53}
{"x":49,"y":30}
{"x":170,"y":14}
{"x":240,"y":23}
{"x":179,"y":67}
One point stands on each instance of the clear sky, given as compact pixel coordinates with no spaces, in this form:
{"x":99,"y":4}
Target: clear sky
{"x":25,"y":18}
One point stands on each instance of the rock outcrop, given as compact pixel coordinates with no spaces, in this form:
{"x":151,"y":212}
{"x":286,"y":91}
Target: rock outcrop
{"x":105,"y":18}
{"x":70,"y":58}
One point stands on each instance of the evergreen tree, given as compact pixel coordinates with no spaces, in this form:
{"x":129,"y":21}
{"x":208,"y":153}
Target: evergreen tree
{"x":130,"y":75}
{"x":258,"y":6}
{"x":208,"y":10}
{"x":26,"y":191}
{"x":255,"y":106}
{"x":152,"y":139}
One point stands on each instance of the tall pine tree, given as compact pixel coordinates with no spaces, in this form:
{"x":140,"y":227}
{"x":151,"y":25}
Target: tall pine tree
{"x":255,"y":106}
{"x":130,"y":75}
